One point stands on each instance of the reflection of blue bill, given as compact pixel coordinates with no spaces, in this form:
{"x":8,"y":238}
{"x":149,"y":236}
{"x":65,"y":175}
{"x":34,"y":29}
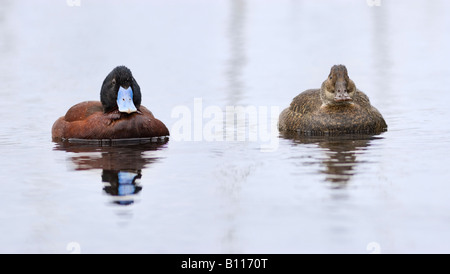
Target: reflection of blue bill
{"x":125,"y":100}
{"x":126,"y":185}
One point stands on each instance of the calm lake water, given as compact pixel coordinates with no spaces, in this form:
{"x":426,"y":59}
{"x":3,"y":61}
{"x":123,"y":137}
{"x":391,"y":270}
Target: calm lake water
{"x":218,"y":185}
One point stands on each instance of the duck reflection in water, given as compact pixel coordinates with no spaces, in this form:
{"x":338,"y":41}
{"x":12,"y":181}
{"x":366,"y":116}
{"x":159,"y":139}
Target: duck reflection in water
{"x":121,"y":184}
{"x":121,"y":164}
{"x":341,"y":154}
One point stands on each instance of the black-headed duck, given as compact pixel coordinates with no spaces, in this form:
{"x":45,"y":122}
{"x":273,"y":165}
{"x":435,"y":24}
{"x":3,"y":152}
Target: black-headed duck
{"x":118,"y":115}
{"x":338,"y":107}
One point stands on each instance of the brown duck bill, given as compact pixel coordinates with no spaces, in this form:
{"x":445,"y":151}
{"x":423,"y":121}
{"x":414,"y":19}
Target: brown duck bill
{"x":341,"y":92}
{"x":343,"y":98}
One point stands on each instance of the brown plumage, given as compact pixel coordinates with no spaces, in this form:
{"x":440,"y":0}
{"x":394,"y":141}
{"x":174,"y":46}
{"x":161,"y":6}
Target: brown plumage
{"x":338,"y":107}
{"x":86,"y":120}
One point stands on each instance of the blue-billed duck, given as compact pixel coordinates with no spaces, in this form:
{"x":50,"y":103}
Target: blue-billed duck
{"x":118,"y":115}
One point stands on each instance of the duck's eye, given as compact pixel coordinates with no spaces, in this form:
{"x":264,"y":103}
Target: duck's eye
{"x":331,"y":77}
{"x":113,"y":81}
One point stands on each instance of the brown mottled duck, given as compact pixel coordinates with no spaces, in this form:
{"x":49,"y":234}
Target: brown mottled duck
{"x":338,"y":107}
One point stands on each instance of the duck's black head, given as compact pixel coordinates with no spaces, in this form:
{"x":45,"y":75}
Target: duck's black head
{"x":120,"y":91}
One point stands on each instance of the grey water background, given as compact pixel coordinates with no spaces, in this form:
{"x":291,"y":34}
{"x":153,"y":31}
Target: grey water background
{"x":388,"y":193}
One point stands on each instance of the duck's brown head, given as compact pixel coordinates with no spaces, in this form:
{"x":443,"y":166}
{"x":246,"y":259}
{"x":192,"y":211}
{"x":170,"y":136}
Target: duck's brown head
{"x":338,"y":88}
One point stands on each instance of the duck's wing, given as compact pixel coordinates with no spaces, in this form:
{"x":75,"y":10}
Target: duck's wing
{"x":146,"y":111}
{"x":83,"y":110}
{"x":307,"y":101}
